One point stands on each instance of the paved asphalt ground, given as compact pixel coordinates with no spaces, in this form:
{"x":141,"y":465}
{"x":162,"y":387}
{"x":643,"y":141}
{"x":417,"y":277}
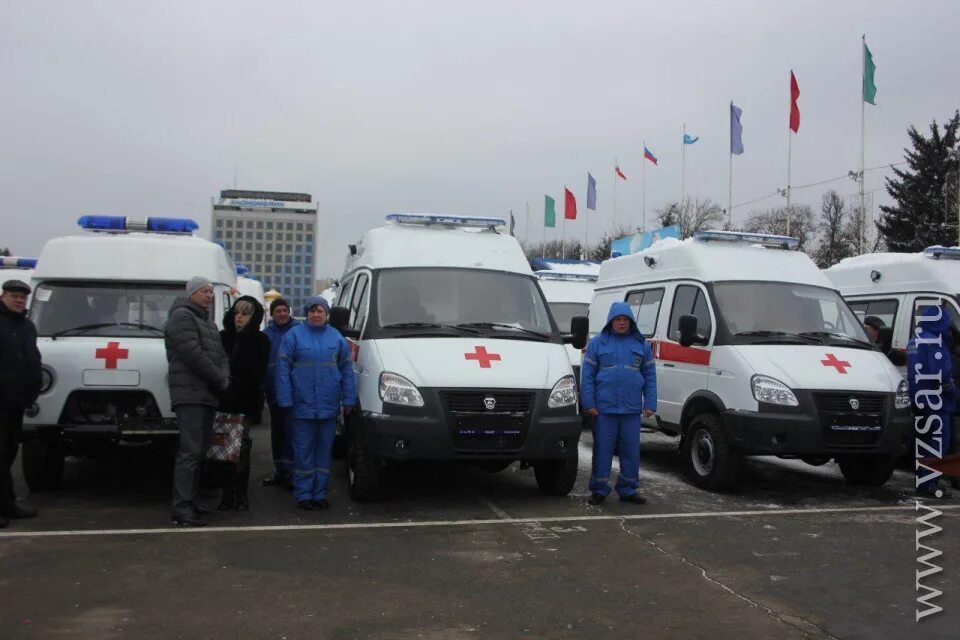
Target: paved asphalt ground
{"x":793,"y":553}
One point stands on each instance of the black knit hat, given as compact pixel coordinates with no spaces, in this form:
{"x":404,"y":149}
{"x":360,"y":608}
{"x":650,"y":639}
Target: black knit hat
{"x":279,"y":302}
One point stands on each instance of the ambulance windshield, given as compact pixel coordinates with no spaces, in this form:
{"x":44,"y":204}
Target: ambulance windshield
{"x":486,"y":301}
{"x":564,"y":312}
{"x":763,"y":311}
{"x":119,"y":309}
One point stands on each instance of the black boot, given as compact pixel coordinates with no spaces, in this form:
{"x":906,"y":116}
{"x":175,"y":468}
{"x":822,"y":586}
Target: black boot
{"x":242,"y":476}
{"x":226,"y":473}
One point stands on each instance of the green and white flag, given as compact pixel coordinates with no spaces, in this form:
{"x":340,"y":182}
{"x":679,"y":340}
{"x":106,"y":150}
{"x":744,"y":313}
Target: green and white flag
{"x":869,"y":87}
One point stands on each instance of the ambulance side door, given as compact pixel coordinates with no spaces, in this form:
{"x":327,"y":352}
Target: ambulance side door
{"x":684,"y":370}
{"x":646,"y":305}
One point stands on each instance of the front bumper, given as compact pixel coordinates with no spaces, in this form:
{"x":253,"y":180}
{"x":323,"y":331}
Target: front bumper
{"x":820,"y":426}
{"x":450,"y":426}
{"x":128,"y":431}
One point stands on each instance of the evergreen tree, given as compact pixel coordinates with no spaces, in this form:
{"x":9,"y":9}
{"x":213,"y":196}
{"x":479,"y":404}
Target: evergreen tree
{"x":925,"y":193}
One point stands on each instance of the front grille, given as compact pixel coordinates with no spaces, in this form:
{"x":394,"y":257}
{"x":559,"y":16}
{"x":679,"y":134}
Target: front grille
{"x":475,"y":429}
{"x":846,"y":426}
{"x":474,"y":401}
{"x":841,"y":402}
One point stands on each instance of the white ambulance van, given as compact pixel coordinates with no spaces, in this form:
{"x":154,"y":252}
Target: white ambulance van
{"x":100,"y":302}
{"x":569,"y":296}
{"x":757,"y":354}
{"x":457,"y":354}
{"x":893,"y":287}
{"x":16,"y":268}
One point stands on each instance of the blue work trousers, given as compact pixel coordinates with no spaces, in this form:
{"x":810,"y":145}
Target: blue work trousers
{"x":312,"y":451}
{"x":623,"y":432}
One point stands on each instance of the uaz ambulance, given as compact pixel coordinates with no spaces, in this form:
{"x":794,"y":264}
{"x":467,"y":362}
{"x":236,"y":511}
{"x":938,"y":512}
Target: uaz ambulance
{"x":894,"y":287}
{"x":100,"y":301}
{"x":757,"y":354}
{"x":457,"y":354}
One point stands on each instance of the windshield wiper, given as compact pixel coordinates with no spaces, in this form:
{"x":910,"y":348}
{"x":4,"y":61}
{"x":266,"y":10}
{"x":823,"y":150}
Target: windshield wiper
{"x":101,"y":325}
{"x":830,"y":334}
{"x":502,"y":325}
{"x":765,"y":333}
{"x":430,"y":325}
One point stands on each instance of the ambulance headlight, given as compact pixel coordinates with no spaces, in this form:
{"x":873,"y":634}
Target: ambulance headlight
{"x":46,"y":380}
{"x":398,"y":390}
{"x":771,"y":390}
{"x":564,"y":393}
{"x":902,"y":399}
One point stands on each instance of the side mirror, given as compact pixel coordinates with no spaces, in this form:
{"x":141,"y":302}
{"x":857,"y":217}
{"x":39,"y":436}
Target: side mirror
{"x":688,"y":330}
{"x":579,"y":326}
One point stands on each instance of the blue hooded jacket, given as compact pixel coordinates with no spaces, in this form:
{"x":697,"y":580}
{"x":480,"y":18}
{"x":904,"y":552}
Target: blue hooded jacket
{"x":619,"y":374}
{"x":314,"y":372}
{"x":275,"y":334}
{"x":922,"y":352}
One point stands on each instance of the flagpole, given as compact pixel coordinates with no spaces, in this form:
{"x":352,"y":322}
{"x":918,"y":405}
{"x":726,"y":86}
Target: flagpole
{"x":543,"y":247}
{"x":563,"y":225}
{"x":863,"y":133}
{"x":586,"y":233}
{"x":730,"y":194}
{"x":643,"y":186}
{"x":683,"y":165}
{"x":526,"y":228}
{"x":616,"y":166}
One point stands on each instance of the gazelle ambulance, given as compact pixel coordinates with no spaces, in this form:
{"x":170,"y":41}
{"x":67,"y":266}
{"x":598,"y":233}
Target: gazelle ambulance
{"x":100,"y":302}
{"x":895,"y":286}
{"x":757,"y":354}
{"x":457,"y":354}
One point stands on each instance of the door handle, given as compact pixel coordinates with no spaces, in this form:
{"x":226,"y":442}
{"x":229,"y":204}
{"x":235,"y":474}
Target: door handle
{"x":668,"y":365}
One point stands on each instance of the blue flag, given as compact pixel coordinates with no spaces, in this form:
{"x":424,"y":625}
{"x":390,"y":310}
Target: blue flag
{"x":591,"y":192}
{"x":688,"y":139}
{"x":736,"y":130}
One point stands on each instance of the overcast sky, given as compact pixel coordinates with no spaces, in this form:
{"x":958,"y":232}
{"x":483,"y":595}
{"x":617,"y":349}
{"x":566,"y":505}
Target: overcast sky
{"x":150,"y":108}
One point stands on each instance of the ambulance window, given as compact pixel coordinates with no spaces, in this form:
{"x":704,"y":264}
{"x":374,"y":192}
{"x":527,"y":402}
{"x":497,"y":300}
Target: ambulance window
{"x":226,"y":301}
{"x":343,"y":297}
{"x":357,"y":310}
{"x":646,"y":309}
{"x":690,"y":300}
{"x":920,"y":305}
{"x":885,"y":310}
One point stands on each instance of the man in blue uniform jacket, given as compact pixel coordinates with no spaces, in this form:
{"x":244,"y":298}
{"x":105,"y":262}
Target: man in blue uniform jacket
{"x":618,"y":384}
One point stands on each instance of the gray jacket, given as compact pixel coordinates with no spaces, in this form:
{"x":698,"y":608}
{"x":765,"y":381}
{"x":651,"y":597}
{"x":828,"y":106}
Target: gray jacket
{"x":199,"y":367}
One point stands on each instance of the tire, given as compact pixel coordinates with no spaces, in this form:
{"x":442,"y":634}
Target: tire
{"x":42,"y":465}
{"x":814,"y":461}
{"x":867,"y":471}
{"x":494,"y":466}
{"x":339,"y":451}
{"x":711,"y":464}
{"x":556,"y":477}
{"x":365,"y":473}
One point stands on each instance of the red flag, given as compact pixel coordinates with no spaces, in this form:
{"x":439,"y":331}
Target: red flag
{"x":620,"y":173}
{"x":569,"y":205}
{"x":794,"y":109}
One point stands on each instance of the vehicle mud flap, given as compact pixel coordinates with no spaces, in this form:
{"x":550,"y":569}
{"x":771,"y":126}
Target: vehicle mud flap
{"x":42,"y":463}
{"x":711,"y":463}
{"x":366,"y":474}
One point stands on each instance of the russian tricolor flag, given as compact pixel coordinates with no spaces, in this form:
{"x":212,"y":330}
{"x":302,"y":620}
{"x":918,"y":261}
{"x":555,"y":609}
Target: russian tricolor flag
{"x":649,"y":156}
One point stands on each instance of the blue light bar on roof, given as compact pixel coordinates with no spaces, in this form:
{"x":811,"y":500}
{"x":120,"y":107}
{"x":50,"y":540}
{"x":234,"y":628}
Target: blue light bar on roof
{"x":456,"y":221}
{"x":937,"y":252}
{"x":767,"y":240}
{"x":18,"y":263}
{"x":122,"y":223}
{"x":573,"y":277}
{"x":242,"y":269}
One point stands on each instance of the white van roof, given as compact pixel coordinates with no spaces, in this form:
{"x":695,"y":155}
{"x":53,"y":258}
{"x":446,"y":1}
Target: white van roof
{"x":139,"y":257}
{"x":431,"y":240}
{"x":715,"y":256}
{"x":936,"y":269}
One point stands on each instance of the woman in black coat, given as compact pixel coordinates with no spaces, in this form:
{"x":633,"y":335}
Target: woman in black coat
{"x":249,"y":352}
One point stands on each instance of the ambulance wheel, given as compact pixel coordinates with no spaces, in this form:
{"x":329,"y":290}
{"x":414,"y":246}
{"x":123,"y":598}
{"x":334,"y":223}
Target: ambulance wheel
{"x":42,"y":465}
{"x":556,"y":477}
{"x":365,"y":472}
{"x":339,"y":451}
{"x":868,"y":471}
{"x":816,"y":462}
{"x":711,"y":464}
{"x":494,"y":466}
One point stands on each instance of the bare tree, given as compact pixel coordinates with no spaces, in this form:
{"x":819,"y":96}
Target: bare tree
{"x":691,"y":215}
{"x":774,"y":221}
{"x":872,"y":240}
{"x":836,"y":241}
